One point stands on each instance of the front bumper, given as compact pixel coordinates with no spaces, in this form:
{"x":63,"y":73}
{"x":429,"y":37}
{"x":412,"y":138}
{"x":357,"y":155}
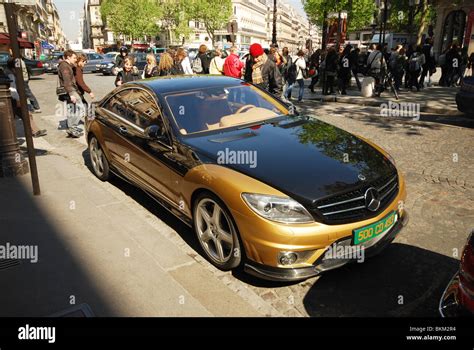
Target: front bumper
{"x":297,"y":274}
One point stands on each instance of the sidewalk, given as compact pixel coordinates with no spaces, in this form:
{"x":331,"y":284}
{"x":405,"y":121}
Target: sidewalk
{"x":98,"y":246}
{"x":434,"y":99}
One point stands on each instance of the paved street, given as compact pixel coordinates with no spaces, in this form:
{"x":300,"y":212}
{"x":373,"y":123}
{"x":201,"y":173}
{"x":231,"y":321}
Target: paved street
{"x":436,"y":155}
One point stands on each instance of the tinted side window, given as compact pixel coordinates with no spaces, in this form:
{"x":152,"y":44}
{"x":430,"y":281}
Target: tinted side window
{"x":138,"y":107}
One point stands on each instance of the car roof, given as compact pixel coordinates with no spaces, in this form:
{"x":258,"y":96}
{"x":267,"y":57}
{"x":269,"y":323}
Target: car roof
{"x":171,"y":84}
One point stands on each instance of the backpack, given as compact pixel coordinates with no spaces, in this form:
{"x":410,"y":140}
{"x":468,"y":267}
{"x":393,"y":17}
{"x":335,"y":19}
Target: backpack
{"x":292,"y":72}
{"x":414,"y":65}
{"x":197,"y":65}
{"x":177,"y":69}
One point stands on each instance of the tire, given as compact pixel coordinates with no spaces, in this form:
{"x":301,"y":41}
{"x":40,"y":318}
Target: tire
{"x":99,"y":161}
{"x":215,"y":230}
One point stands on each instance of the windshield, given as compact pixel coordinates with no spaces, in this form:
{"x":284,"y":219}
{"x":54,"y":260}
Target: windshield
{"x":110,"y":55}
{"x":219,"y":108}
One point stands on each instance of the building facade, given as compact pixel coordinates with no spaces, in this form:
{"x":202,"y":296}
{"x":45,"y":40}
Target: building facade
{"x":38,"y":23}
{"x":454,"y":24}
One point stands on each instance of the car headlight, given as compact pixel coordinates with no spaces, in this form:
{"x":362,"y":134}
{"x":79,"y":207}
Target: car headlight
{"x":275,"y":208}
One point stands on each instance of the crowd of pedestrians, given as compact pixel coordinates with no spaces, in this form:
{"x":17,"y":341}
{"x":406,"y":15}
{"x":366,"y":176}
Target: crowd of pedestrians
{"x":279,"y":73}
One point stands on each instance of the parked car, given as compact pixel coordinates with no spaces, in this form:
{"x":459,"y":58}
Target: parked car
{"x":51,"y":63}
{"x":262,"y":187}
{"x":93,"y":59}
{"x":109,"y":60}
{"x":33,"y":67}
{"x":107,"y":67}
{"x":458,"y":298}
{"x":465,"y":96}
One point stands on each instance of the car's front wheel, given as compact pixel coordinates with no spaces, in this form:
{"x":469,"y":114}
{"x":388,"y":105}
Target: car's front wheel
{"x":216,"y":232}
{"x":100,"y":164}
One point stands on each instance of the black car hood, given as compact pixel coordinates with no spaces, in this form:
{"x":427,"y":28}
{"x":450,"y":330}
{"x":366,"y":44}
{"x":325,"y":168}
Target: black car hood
{"x":303,"y":157}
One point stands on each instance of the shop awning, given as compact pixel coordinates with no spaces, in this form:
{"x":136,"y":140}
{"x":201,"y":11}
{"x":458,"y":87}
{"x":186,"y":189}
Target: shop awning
{"x":24,"y":44}
{"x":140,"y":46}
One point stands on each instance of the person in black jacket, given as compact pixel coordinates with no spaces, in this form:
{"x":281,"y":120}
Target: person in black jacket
{"x":265,"y":73}
{"x":330,"y":71}
{"x":344,"y":73}
{"x":129,"y":73}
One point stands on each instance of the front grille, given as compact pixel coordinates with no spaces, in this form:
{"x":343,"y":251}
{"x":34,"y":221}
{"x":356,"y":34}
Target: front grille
{"x":350,"y":206}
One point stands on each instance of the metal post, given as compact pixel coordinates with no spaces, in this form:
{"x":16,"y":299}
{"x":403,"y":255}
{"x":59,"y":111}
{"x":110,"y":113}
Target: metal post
{"x":274,"y":30}
{"x":13,"y":30}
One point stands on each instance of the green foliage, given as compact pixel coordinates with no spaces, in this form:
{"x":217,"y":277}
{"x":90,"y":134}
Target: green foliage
{"x":130,"y":17}
{"x":359,"y":12}
{"x":213,"y":14}
{"x":176,"y":15}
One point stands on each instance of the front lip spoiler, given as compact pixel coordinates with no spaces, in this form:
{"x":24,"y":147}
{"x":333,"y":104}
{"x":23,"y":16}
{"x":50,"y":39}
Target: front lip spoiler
{"x":289,"y":275}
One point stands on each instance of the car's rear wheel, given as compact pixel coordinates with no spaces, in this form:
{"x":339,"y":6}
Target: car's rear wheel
{"x":216,"y":232}
{"x":100,"y":164}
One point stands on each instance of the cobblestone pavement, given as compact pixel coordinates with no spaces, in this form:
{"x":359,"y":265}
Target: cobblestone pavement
{"x":435,"y":154}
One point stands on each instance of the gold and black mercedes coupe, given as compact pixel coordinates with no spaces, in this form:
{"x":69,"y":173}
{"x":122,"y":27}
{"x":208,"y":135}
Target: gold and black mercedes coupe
{"x":263,"y":188}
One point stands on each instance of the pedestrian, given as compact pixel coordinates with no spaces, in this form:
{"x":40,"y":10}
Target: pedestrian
{"x":74,"y":104}
{"x":165,"y":67}
{"x":415,"y":63}
{"x":453,"y":62}
{"x":314,"y":64}
{"x":330,"y":71}
{"x":120,"y":59}
{"x":201,"y":62}
{"x":463,"y":64}
{"x":34,"y":105}
{"x":182,"y":57}
{"x":398,"y":63}
{"x":354,"y":64}
{"x":216,"y":66}
{"x":82,"y":87}
{"x":265,"y":73}
{"x":232,"y":64}
{"x":129,"y":72}
{"x":15,"y":100}
{"x":429,"y":67}
{"x":287,"y":62}
{"x":344,"y":72}
{"x":249,"y":61}
{"x":151,"y":68}
{"x":376,"y":66}
{"x":295,"y":75}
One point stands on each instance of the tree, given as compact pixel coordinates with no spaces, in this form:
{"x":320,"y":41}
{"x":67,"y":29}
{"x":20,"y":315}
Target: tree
{"x":133,"y":18}
{"x":214,"y":15}
{"x":176,"y":15}
{"x":359,"y":12}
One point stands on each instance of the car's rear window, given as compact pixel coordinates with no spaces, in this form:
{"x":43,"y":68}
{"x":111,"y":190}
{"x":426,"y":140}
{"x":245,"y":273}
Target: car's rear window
{"x":223,"y":107}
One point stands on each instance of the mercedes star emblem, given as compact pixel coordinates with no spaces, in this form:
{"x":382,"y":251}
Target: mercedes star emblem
{"x":372,"y":199}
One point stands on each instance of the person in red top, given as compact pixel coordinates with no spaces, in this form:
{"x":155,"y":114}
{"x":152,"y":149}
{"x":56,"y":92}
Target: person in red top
{"x":233,"y":65}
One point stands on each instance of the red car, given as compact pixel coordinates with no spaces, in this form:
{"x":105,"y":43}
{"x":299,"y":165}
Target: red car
{"x":458,"y":298}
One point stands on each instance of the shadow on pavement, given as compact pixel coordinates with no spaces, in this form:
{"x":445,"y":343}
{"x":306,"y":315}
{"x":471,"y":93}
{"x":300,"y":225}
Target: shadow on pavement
{"x":45,"y":287}
{"x":411,"y":276}
{"x":142,"y":198}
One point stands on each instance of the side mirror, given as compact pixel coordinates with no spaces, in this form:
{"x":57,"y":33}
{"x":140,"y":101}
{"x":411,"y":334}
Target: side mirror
{"x":153,"y":132}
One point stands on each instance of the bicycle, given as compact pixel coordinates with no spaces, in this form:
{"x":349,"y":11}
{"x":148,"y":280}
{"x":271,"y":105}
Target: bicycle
{"x":386,"y":82}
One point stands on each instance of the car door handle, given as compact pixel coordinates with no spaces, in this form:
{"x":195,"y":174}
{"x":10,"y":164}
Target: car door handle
{"x":123,"y":130}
